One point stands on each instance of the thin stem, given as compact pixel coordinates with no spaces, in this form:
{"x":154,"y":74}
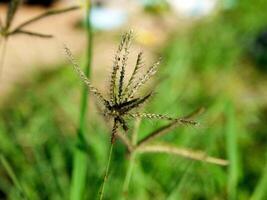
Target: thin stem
{"x":132,"y":158}
{"x":102,"y":190}
{"x":3,"y":55}
{"x":13,"y":177}
{"x":80,"y":164}
{"x":124,"y":139}
{"x":43,"y":15}
{"x":187,"y":153}
{"x":31,"y":34}
{"x":129,"y":173}
{"x":159,"y":132}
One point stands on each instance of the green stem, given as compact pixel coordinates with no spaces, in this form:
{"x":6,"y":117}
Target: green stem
{"x":132,"y":159}
{"x":129,"y":174}
{"x":80,"y":160}
{"x":101,"y":193}
{"x":260,"y":191}
{"x":3,"y":55}
{"x":13,"y":177}
{"x":232,"y":151}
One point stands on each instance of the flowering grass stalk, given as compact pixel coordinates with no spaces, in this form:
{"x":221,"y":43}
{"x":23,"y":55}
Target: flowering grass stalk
{"x":123,"y":103}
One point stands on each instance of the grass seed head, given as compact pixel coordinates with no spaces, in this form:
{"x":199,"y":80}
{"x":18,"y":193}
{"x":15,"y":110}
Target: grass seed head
{"x":123,"y":98}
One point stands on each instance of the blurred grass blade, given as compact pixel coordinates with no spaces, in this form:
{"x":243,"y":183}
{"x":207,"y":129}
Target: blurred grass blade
{"x":12,"y":9}
{"x":46,"y":14}
{"x":32,"y":34}
{"x":3,"y":49}
{"x":260,"y":193}
{"x":79,"y":172}
{"x":102,"y":190}
{"x":187,"y":153}
{"x":1,"y":24}
{"x":13,"y":176}
{"x":130,"y":168}
{"x":78,"y":175}
{"x":232,"y":151}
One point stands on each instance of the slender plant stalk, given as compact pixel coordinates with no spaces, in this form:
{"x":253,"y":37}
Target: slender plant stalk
{"x":232,"y":151}
{"x":80,"y":161}
{"x":260,"y":191}
{"x":132,"y":159}
{"x":13,"y":177}
{"x":43,"y":15}
{"x":187,"y":153}
{"x":102,"y":190}
{"x":3,"y":55}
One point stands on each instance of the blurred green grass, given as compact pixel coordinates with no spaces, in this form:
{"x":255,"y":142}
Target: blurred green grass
{"x":206,"y":65}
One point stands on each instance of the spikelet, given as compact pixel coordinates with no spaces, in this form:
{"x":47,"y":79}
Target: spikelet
{"x":83,"y":77}
{"x":163,"y":117}
{"x":151,"y":116}
{"x":115,"y":69}
{"x":136,"y":104}
{"x":138,"y":65}
{"x":150,"y":72}
{"x":128,"y":38}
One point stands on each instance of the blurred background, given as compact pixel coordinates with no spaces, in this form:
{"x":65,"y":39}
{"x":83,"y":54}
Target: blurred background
{"x":214,"y":55}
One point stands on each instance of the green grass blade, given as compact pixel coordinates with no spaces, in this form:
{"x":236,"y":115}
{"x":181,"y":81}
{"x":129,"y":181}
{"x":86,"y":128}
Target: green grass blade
{"x":80,"y":165}
{"x":232,"y":151}
{"x":78,"y":175}
{"x":260,"y":193}
{"x":130,"y":168}
{"x":102,"y":190}
{"x":13,"y":177}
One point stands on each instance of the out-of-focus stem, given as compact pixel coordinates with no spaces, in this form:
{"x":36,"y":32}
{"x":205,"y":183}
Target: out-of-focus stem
{"x":132,"y":158}
{"x":102,"y":190}
{"x":3,"y":46}
{"x":80,"y":161}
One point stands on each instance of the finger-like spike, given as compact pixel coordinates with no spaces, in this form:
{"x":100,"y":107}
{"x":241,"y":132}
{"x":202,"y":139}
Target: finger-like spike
{"x":135,"y":104}
{"x":122,"y":75}
{"x":128,"y":103}
{"x":115,"y":69}
{"x":150,"y":72}
{"x":138,"y":65}
{"x":124,"y":44}
{"x":83,"y":77}
{"x":151,"y":116}
{"x":128,"y":38}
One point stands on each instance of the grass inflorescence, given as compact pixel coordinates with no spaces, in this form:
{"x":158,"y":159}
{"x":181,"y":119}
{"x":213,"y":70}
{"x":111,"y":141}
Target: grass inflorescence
{"x":123,"y":104}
